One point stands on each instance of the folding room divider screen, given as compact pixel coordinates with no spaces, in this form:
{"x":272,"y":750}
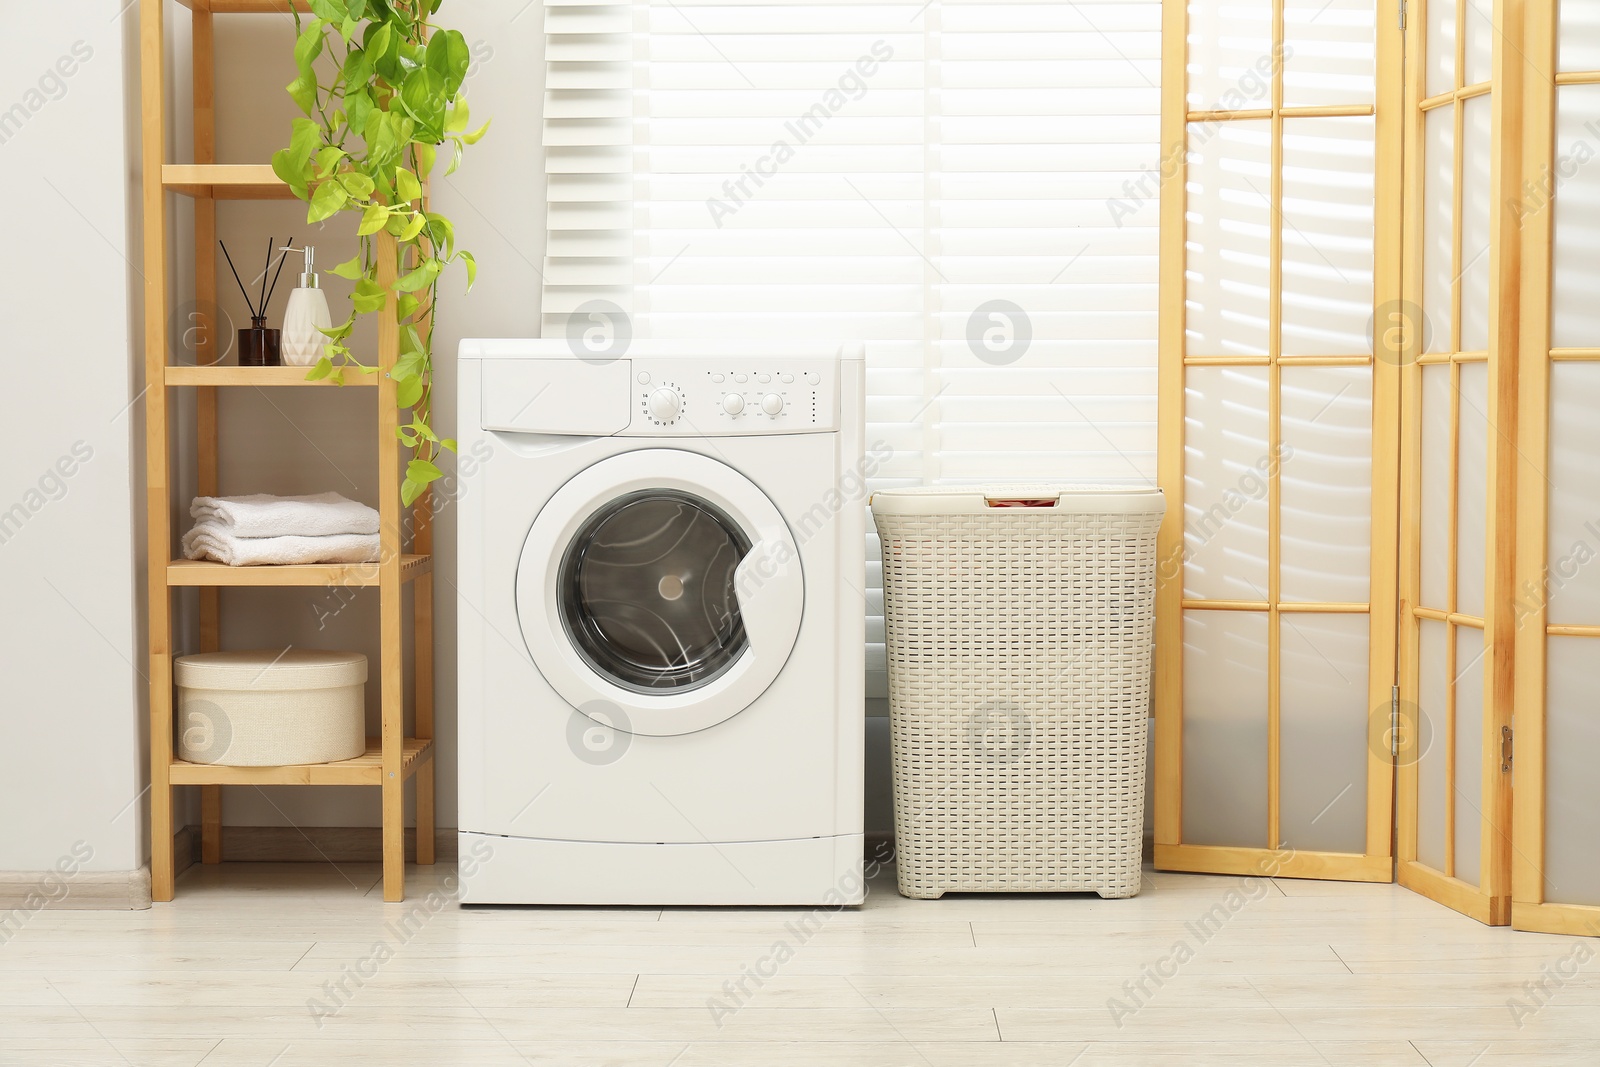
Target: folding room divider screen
{"x":1412,"y":495}
{"x":1280,"y":237}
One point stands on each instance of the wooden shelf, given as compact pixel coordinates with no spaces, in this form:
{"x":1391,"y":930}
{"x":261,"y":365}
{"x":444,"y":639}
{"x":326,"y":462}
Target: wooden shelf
{"x":244,"y":7}
{"x":205,"y":573}
{"x":365,"y":769}
{"x":225,"y":181}
{"x":208,"y":183}
{"x":263,"y":377}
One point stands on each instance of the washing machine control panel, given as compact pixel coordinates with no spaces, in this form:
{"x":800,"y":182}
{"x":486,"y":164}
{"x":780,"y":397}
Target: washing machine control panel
{"x":735,"y":397}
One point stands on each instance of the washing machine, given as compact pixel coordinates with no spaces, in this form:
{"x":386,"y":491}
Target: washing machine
{"x":661,"y":624}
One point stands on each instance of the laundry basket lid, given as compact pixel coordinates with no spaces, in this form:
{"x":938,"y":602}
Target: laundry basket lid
{"x":1023,"y":498}
{"x":271,"y":669}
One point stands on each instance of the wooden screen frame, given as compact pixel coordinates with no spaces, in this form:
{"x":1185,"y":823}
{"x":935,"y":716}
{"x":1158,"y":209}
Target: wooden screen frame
{"x":1488,"y":900}
{"x":1171,"y":852}
{"x":1529,"y":909}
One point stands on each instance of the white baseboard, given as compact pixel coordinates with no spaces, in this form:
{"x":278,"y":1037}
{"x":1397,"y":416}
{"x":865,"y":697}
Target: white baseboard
{"x":25,"y":893}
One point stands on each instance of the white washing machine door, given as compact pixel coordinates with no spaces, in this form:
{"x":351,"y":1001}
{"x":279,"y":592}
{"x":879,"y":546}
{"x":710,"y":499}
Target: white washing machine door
{"x":660,"y":592}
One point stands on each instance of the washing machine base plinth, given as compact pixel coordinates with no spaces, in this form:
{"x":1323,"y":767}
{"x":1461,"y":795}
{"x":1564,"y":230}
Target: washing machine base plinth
{"x":522,"y":870}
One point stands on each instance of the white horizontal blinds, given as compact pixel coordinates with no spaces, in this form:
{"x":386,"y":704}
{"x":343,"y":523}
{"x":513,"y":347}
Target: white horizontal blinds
{"x":1044,"y":193}
{"x":884,"y":172}
{"x":588,"y":140}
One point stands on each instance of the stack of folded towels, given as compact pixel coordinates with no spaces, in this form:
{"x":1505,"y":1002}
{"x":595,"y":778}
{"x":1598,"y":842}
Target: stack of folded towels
{"x":244,"y":531}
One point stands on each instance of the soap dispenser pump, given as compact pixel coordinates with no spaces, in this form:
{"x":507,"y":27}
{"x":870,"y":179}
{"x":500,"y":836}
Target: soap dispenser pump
{"x":306,"y":316}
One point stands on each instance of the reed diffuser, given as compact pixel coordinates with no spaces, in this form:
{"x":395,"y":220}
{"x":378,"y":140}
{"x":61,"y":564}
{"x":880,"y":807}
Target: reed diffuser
{"x":259,"y":346}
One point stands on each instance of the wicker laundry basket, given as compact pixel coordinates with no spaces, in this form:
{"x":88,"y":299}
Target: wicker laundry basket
{"x":1020,"y":622}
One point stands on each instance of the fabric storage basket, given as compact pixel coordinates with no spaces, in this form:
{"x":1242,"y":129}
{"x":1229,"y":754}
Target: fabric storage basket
{"x":271,"y":708}
{"x":1020,"y":621}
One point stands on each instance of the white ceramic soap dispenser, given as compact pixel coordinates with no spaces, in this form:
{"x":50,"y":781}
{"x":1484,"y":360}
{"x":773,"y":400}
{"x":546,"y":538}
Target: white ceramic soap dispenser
{"x":306,"y":316}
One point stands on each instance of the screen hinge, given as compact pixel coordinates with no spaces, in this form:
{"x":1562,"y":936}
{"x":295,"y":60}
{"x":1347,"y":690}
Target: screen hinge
{"x":1505,"y":748}
{"x":1394,"y":721}
{"x":1402,"y":14}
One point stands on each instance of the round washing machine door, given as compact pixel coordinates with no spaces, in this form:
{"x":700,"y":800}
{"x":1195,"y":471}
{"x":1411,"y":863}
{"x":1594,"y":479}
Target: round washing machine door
{"x":660,"y":592}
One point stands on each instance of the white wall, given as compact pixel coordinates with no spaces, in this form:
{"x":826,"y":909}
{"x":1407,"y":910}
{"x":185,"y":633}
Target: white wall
{"x":70,"y":749}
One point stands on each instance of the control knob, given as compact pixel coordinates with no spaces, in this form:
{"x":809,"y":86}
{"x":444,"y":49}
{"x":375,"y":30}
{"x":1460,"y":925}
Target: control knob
{"x":665,"y":405}
{"x":772,"y":403}
{"x":733,"y":403}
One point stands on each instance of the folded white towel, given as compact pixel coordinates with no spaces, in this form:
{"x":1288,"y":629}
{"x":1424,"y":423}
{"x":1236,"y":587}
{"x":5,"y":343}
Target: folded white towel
{"x":209,"y":541}
{"x":262,"y":515}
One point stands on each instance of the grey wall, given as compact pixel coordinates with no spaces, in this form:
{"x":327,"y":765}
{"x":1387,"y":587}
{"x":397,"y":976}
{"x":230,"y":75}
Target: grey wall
{"x":70,"y":750}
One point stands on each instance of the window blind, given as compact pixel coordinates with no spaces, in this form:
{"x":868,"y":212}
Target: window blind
{"x":968,"y":185}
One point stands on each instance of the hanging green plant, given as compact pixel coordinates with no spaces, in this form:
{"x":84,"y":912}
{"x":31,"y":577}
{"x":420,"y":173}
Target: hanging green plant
{"x":369,"y":140}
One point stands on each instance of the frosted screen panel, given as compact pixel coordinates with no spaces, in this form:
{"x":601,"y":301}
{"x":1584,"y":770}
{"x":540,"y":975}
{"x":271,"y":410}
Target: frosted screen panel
{"x":1326,"y":484}
{"x":1433,"y":679}
{"x":1436,"y":487}
{"x":1573,"y":563}
{"x":1329,"y":51}
{"x":1322,"y":805}
{"x":1575,"y":310}
{"x":1225,"y":728}
{"x":1479,"y":35}
{"x":1572,"y":788}
{"x":1441,"y":46}
{"x":1227,"y":239}
{"x":1469,"y":753}
{"x":1438,"y":235}
{"x":1472,"y":492}
{"x":1327,"y":236}
{"x":1230,"y":55}
{"x":1227,"y":468}
{"x":1475,"y":242}
{"x":1578,"y":36}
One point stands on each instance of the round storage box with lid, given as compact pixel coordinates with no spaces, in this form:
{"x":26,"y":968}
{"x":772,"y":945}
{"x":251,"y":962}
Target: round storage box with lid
{"x":271,"y":708}
{"x":1019,"y":625}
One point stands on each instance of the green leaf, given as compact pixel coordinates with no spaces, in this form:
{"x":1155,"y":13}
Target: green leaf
{"x":322,"y":370}
{"x":410,"y":230}
{"x":472,"y":268}
{"x":476,"y":135}
{"x":442,"y":232}
{"x":448,"y":442}
{"x":357,"y":69}
{"x":423,"y":98}
{"x":350,"y":268}
{"x":358,"y":185}
{"x":308,"y":46}
{"x":406,"y":186}
{"x":407,"y":306}
{"x":409,"y":491}
{"x":331,"y":10}
{"x":460,"y":115}
{"x":359,"y":105}
{"x":373,"y":219}
{"x":409,"y":366}
{"x":427,"y":155}
{"x":283,"y":165}
{"x":328,"y":157}
{"x":421,"y":470}
{"x":303,"y":91}
{"x":449,"y":57}
{"x":408,"y":393}
{"x":455,"y":158}
{"x":326,"y":201}
{"x":368,"y":296}
{"x":420,"y":278}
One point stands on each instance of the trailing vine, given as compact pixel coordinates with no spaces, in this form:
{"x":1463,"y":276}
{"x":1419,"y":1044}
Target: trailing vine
{"x":369,"y":140}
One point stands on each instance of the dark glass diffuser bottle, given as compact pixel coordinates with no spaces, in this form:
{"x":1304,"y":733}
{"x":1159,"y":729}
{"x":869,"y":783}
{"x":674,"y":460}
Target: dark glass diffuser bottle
{"x":258,"y":345}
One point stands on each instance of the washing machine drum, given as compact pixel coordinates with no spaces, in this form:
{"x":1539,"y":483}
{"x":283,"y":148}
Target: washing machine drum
{"x":647,"y":591}
{"x":660,"y":592}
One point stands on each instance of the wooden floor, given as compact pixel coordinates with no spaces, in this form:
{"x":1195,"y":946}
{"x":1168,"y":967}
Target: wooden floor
{"x":246,"y":968}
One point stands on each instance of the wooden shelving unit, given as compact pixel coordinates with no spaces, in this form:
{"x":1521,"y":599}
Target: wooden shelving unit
{"x":393,"y":758}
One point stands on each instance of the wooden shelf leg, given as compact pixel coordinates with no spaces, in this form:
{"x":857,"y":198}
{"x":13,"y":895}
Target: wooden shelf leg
{"x":390,"y":591}
{"x":211,"y":824}
{"x":422,"y":626}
